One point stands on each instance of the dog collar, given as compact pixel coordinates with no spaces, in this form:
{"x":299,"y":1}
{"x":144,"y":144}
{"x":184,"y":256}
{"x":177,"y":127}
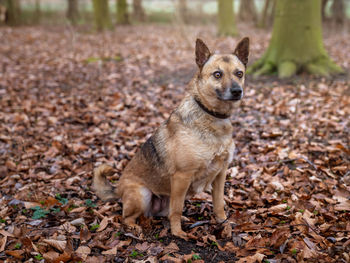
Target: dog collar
{"x":212,"y":113}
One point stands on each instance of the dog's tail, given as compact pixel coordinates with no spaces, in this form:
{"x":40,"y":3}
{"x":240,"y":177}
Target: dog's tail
{"x":100,"y":184}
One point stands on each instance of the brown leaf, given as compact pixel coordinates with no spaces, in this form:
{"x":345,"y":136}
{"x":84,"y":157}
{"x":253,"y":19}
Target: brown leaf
{"x":85,"y":234}
{"x":15,"y":253}
{"x":343,"y":206}
{"x":278,"y":208}
{"x":65,"y":257}
{"x":58,"y":244}
{"x":28,"y":244}
{"x":169,"y":258}
{"x":171,"y":248}
{"x":279,"y":236}
{"x":51,"y":256}
{"x":112,"y":251}
{"x":252,"y":259}
{"x":83,"y":252}
{"x":3,"y":243}
{"x":227,"y":231}
{"x":5,"y":233}
{"x":103,"y":224}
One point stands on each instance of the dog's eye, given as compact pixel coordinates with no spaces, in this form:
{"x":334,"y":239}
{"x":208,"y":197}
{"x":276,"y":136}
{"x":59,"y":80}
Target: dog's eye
{"x":217,"y":74}
{"x":239,"y":74}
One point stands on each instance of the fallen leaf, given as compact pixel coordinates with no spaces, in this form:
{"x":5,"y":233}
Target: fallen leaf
{"x":58,"y":244}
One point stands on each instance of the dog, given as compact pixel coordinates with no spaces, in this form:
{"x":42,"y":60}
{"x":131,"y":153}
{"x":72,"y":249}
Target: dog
{"x":190,"y":152}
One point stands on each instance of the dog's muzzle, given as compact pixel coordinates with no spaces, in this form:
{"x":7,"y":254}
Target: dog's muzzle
{"x":233,"y":92}
{"x":236,"y":92}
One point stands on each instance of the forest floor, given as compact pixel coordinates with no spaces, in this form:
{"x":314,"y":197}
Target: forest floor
{"x":73,"y":100}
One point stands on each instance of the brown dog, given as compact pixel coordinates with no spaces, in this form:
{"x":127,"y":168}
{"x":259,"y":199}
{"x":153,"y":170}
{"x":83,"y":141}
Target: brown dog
{"x":190,"y":152}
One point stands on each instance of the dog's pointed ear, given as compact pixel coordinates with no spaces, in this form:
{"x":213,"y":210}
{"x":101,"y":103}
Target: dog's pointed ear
{"x":242,"y":50}
{"x":202,"y":53}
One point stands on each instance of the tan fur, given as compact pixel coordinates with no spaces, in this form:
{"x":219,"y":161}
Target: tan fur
{"x":189,"y":153}
{"x":103,"y":189}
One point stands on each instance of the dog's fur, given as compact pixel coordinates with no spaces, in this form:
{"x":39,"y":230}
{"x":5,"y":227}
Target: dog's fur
{"x":190,"y":152}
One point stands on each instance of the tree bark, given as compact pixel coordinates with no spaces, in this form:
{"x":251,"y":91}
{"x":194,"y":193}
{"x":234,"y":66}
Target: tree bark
{"x":338,"y":12}
{"x":37,"y":11}
{"x":267,"y":14}
{"x":122,"y":12}
{"x":296,"y":44}
{"x":323,"y":9}
{"x":3,"y":12}
{"x":226,"y":18}
{"x":101,"y":14}
{"x":247,"y":11}
{"x":138,"y":11}
{"x":13,"y":12}
{"x":183,"y":11}
{"x":73,"y":11}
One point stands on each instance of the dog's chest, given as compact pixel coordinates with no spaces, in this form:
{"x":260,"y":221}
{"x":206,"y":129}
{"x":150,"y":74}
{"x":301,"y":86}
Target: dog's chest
{"x":217,"y":162}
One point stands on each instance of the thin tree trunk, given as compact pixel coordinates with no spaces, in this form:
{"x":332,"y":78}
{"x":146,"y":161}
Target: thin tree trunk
{"x":247,"y":11}
{"x":323,"y":9}
{"x":138,"y":11}
{"x":267,"y":14}
{"x":183,"y":11}
{"x":122,"y":12}
{"x":37,"y":11}
{"x":73,"y":11}
{"x":296,"y":43}
{"x":101,"y":14}
{"x":226,"y":17}
{"x":13,"y":12}
{"x":3,"y":12}
{"x":338,"y":13}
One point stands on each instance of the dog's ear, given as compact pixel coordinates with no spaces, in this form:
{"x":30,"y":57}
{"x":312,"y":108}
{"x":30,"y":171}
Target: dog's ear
{"x":202,"y":53}
{"x":242,"y":50}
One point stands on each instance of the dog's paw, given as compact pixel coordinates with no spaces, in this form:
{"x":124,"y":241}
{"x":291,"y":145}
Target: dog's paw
{"x":180,"y":234}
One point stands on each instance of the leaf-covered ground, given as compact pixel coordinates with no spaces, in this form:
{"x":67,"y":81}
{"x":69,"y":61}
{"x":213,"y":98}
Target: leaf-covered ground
{"x":72,"y":100}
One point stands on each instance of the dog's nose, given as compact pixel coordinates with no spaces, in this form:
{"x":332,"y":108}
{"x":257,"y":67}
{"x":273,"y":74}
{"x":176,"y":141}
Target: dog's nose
{"x":236,"y":91}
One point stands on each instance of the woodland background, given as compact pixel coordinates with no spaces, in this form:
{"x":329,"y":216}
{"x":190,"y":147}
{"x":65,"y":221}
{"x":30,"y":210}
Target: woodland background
{"x":87,"y":82}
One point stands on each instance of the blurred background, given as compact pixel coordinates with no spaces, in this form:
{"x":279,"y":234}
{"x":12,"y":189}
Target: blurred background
{"x":81,"y":12}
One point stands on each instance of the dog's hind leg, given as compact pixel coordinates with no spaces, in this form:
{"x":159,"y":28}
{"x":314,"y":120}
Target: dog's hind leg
{"x":136,"y":201}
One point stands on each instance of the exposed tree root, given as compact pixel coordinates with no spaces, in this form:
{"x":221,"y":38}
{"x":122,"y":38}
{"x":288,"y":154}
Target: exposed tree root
{"x":287,"y":69}
{"x":320,"y":67}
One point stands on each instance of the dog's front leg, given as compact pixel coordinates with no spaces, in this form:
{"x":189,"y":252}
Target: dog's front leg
{"x":218,"y":196}
{"x":180,"y":182}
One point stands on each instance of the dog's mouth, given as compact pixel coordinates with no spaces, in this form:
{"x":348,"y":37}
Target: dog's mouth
{"x":232,"y":99}
{"x":228,"y":96}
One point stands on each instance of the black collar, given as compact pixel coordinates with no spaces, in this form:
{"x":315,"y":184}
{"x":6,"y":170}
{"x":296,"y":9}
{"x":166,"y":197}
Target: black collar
{"x":212,"y":113}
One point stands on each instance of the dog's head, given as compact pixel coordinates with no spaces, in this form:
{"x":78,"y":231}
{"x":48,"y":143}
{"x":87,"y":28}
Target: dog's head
{"x":221,"y":76}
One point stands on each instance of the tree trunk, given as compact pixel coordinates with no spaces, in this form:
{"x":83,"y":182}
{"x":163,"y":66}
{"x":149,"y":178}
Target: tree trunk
{"x":37,"y":12}
{"x":101,"y":14}
{"x":296,"y":43}
{"x":323,"y":9}
{"x":13,"y":12}
{"x":3,"y":12}
{"x":73,"y":11}
{"x":338,"y":12}
{"x":226,"y":17}
{"x":122,"y":12}
{"x":247,"y":11}
{"x":139,"y":12}
{"x":267,"y":14}
{"x":183,"y":11}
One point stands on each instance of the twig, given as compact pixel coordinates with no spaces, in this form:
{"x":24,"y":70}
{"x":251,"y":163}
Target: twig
{"x":199,"y":223}
{"x":309,"y":162}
